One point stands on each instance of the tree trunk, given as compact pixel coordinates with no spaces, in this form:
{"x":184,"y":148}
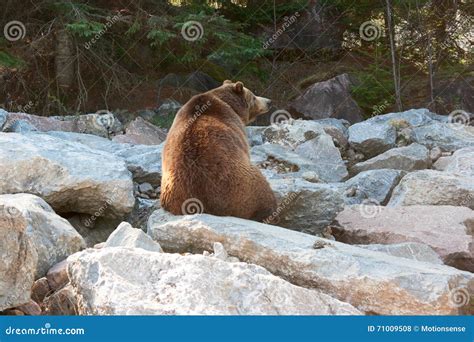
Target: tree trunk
{"x":64,"y":60}
{"x":396,"y":80}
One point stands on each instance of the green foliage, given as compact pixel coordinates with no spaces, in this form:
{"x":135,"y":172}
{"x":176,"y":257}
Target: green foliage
{"x":85,"y":28}
{"x":217,"y":38}
{"x":9,"y":61}
{"x":261,"y":12}
{"x":164,"y":121}
{"x":374,"y":89}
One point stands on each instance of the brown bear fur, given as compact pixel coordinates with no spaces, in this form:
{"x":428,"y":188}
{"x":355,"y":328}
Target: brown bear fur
{"x":206,"y":156}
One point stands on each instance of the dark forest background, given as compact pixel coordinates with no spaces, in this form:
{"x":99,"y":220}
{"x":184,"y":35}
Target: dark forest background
{"x":130,"y":56}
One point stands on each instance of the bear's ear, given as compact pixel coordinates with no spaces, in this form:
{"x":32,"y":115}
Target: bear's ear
{"x":239,"y":87}
{"x":227,"y":82}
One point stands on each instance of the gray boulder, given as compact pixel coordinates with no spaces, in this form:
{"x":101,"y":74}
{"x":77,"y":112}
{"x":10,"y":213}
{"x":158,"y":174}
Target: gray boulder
{"x":141,"y":132}
{"x":461,"y":162}
{"x":309,"y":140}
{"x":326,"y":158}
{"x":328,"y":99}
{"x":71,"y":177}
{"x":434,"y":188}
{"x":374,"y":186}
{"x":373,"y":282}
{"x":305,"y":206}
{"x":144,"y":162}
{"x":101,"y":123}
{"x":52,"y":237}
{"x":19,"y":126}
{"x":379,"y":134}
{"x":18,"y":257}
{"x":372,"y":139}
{"x":127,"y":236}
{"x":254,"y":135}
{"x":449,"y":137}
{"x":3,"y":117}
{"x":407,"y":158}
{"x":139,"y":282}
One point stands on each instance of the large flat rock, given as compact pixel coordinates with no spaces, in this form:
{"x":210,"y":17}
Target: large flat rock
{"x":446,"y":229}
{"x":407,"y":158}
{"x":431,"y":187}
{"x":373,"y":282}
{"x":143,"y":161}
{"x":124,"y":281}
{"x":71,"y":177}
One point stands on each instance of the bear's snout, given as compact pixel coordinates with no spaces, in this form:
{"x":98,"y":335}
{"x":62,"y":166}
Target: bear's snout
{"x":265,"y":104}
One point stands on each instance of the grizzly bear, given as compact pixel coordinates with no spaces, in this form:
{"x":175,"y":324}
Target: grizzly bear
{"x":206,"y":160}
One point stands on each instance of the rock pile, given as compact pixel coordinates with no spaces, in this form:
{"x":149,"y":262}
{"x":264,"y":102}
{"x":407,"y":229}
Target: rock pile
{"x":376,"y":217}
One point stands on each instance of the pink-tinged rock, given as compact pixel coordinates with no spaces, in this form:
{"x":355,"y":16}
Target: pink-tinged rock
{"x":446,"y":229}
{"x":62,"y":302}
{"x":57,"y":275}
{"x":41,"y":123}
{"x":95,"y":123}
{"x":12,"y":312}
{"x":40,"y":290}
{"x":141,"y":132}
{"x":373,"y":282}
{"x":31,"y":308}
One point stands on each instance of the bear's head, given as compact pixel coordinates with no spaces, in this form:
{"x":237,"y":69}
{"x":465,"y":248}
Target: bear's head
{"x":252,"y":105}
